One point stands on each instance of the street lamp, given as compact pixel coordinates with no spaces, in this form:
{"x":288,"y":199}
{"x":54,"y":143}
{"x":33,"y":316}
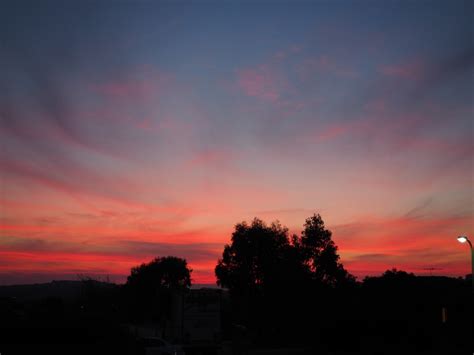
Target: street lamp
{"x":463,"y":239}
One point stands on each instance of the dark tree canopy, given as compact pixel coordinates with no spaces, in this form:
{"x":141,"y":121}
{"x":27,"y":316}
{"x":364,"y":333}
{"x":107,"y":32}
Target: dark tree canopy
{"x":391,"y":278}
{"x":273,"y":278}
{"x":394,"y":274}
{"x":320,"y":252}
{"x":150,"y":286}
{"x":261,"y":256}
{"x":166,"y":272}
{"x":255,"y":258}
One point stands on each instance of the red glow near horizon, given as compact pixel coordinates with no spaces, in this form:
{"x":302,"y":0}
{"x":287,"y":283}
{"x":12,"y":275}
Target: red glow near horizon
{"x":365,"y":249}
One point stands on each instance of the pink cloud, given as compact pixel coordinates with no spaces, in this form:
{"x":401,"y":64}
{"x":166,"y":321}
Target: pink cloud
{"x":288,"y":52}
{"x":296,"y":48}
{"x":90,"y":189}
{"x":260,"y":83}
{"x":412,"y":70}
{"x":50,"y":131}
{"x":376,"y":106}
{"x":140,"y":83}
{"x":280,"y":55}
{"x":131,"y":98}
{"x":210,"y":157}
{"x":311,"y":66}
{"x":330,"y":131}
{"x":173,"y":124}
{"x":126,"y":89}
{"x":314,"y":64}
{"x":347,"y":73}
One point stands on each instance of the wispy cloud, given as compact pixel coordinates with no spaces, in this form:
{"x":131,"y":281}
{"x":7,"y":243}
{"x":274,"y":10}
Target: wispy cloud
{"x":137,"y":249}
{"x":411,"y":70}
{"x":31,"y":256}
{"x":261,"y":83}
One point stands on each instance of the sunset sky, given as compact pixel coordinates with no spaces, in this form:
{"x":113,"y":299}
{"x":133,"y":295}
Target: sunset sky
{"x":135,"y":129}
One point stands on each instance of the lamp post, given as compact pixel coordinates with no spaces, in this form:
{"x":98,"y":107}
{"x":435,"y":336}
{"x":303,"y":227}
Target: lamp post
{"x":463,"y":239}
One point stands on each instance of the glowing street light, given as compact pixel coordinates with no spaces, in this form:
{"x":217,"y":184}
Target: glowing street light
{"x":463,"y":239}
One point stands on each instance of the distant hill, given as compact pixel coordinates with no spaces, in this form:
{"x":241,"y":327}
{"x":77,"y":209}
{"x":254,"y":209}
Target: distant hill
{"x":65,"y":290}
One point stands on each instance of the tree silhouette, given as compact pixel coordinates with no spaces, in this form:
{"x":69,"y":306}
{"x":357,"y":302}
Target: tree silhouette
{"x":256,"y":268}
{"x":255,"y":258}
{"x":391,"y":279}
{"x":150,"y":287}
{"x":166,"y":272}
{"x":260,"y":256}
{"x":265,"y":271}
{"x":319,"y":253}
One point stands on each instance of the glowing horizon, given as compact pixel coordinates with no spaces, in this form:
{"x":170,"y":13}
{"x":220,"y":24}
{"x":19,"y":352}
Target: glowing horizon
{"x":142,"y":129}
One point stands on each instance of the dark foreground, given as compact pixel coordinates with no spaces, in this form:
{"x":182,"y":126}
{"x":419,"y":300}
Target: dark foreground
{"x":433,"y":317}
